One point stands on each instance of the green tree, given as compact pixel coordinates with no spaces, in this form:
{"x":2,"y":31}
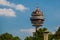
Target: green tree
{"x":57,"y":34}
{"x":16,"y":38}
{"x":50,"y":36}
{"x":29,"y":38}
{"x":39,"y":35}
{"x":44,"y":29}
{"x":7,"y":36}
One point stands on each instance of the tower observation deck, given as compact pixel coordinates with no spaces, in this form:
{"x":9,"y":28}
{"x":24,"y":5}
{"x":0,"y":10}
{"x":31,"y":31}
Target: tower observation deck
{"x":37,"y":18}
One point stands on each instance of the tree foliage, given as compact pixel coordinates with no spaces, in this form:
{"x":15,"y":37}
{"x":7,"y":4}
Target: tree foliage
{"x":39,"y":35}
{"x":57,"y":34}
{"x":7,"y":36}
{"x":50,"y":36}
{"x":29,"y":38}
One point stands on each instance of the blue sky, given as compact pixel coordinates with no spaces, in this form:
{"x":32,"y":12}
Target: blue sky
{"x":15,"y":16}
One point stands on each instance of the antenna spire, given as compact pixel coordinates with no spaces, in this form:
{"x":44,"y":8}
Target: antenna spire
{"x":37,"y":5}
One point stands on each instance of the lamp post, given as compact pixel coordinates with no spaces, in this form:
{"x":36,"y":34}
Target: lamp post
{"x":46,"y":35}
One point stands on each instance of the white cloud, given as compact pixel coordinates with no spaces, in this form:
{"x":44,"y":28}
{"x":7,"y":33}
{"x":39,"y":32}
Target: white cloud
{"x":18,"y":6}
{"x":27,"y":30}
{"x":6,"y":3}
{"x":53,"y":32}
{"x":21,"y":7}
{"x":7,"y":12}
